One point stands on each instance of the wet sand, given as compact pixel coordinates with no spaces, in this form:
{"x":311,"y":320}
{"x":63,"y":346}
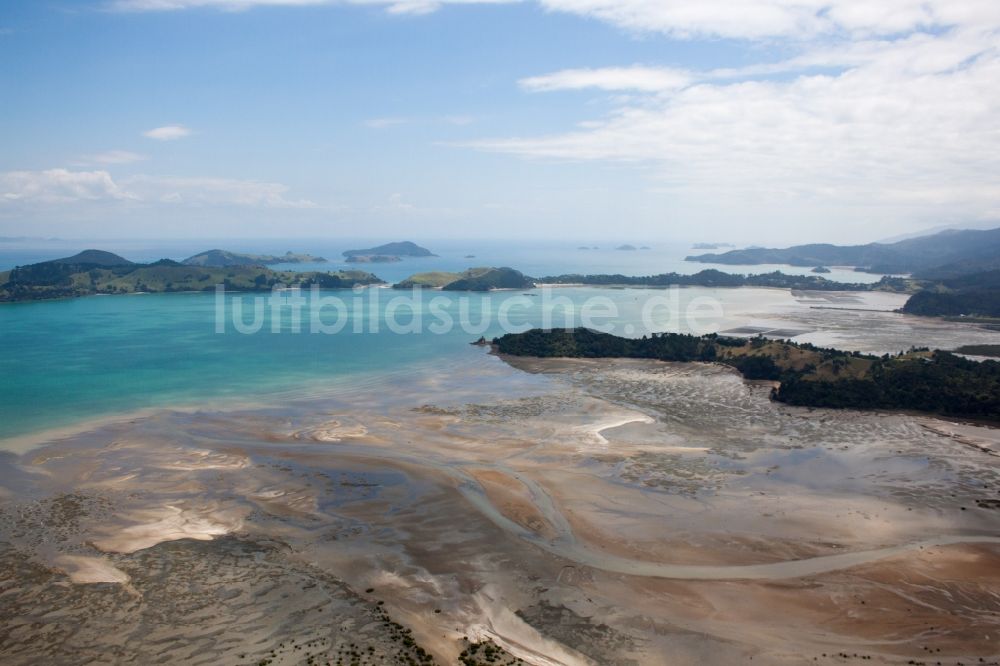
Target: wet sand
{"x":571,"y":511}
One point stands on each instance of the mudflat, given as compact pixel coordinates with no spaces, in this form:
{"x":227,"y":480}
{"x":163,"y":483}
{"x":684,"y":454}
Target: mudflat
{"x":570,"y":511}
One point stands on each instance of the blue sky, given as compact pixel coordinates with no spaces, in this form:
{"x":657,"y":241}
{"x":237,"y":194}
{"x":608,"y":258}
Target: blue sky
{"x":768,"y":119}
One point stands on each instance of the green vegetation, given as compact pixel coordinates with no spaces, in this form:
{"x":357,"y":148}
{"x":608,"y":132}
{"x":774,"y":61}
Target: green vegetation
{"x":979,"y":350}
{"x":60,"y":279}
{"x":491,"y":278}
{"x":976,"y":295}
{"x":474,"y":279}
{"x":920,"y":380}
{"x":224,"y":258}
{"x":95,"y":257}
{"x":435,"y":279}
{"x":716,"y":278}
{"x":400,"y":249}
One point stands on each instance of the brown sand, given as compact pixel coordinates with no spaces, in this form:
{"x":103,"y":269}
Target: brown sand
{"x":631,"y":513}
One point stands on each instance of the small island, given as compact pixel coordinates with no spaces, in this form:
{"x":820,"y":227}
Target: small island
{"x":821,"y":269}
{"x":389,"y":252}
{"x":627,"y":248}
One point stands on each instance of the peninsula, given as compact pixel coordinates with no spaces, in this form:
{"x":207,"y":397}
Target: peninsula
{"x":474,"y":279}
{"x":936,"y":382}
{"x":97,"y":272}
{"x":224,"y":258}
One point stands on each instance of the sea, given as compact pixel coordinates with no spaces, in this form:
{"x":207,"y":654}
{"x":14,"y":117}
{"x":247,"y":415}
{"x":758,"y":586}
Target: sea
{"x":65,"y":363}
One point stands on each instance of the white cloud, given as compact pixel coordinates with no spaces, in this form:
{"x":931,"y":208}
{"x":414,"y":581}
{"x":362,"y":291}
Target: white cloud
{"x":796,"y":19}
{"x":900,"y":124}
{"x":648,"y":79}
{"x":888,"y":106}
{"x":62,"y":186}
{"x":59,"y":186}
{"x":167,"y":133}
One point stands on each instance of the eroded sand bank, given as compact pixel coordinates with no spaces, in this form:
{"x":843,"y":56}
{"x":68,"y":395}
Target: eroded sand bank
{"x":575,"y":512}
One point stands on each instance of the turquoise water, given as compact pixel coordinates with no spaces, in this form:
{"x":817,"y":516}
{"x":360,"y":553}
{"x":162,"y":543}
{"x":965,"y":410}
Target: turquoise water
{"x":72,"y":360}
{"x":63,"y":362}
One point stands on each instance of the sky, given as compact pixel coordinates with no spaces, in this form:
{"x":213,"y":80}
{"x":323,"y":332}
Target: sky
{"x":764,"y":121}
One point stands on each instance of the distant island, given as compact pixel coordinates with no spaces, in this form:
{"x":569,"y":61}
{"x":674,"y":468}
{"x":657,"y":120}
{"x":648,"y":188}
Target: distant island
{"x":821,"y":269}
{"x":943,"y":255}
{"x":97,"y":272}
{"x":936,"y":382}
{"x":486,"y":278}
{"x":716,"y":278}
{"x":389,"y":252}
{"x":222,"y":258}
{"x":373,"y":259}
{"x":473,"y":279}
{"x":711,"y":246}
{"x":627,"y":248}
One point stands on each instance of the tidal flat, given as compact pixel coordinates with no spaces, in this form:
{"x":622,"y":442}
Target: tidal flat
{"x":573,"y":512}
{"x":565,"y":511}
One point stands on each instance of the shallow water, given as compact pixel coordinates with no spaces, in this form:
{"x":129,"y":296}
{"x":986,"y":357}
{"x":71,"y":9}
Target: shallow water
{"x":65,"y":362}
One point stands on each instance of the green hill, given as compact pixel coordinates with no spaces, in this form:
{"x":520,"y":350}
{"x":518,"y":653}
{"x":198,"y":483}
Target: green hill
{"x":49,"y":280}
{"x":961,"y":251}
{"x":976,"y":295}
{"x":94,"y":258}
{"x":399,"y":249}
{"x":474,"y":279}
{"x":223,"y":258}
